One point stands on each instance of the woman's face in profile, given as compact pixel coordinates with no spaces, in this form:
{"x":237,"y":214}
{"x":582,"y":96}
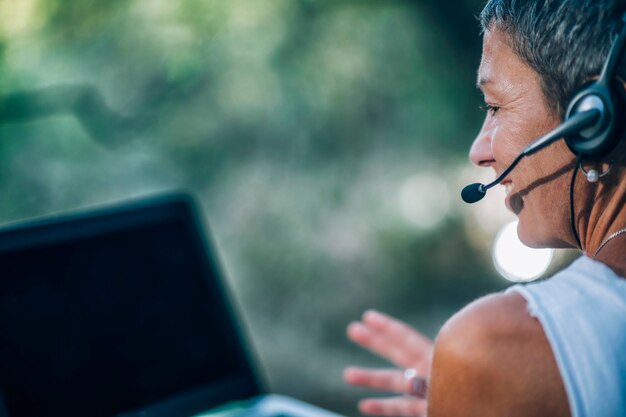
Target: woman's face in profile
{"x":517,"y":113}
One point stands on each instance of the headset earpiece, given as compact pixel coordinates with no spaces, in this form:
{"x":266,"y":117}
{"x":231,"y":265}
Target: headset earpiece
{"x":603,"y":95}
{"x":601,"y":138}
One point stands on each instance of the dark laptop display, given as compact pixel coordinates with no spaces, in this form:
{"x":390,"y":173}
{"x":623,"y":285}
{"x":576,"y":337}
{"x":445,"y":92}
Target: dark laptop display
{"x":108,"y":312}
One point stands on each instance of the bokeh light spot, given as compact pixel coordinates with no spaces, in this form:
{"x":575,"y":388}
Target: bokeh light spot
{"x":516,"y":261}
{"x":425,"y":200}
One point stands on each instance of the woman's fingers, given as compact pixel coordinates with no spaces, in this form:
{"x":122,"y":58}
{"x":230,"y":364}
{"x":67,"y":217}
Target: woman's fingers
{"x":396,"y":330}
{"x":392,"y":339}
{"x":403,"y":346}
{"x":391,"y":380}
{"x":380,"y":345}
{"x":395,"y":406}
{"x":373,"y":341}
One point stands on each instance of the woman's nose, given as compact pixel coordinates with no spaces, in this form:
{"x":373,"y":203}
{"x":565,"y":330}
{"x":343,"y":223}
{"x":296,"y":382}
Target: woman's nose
{"x":481,"y":152}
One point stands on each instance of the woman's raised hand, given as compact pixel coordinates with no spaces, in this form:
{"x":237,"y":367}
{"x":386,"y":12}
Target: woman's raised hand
{"x":404,"y":347}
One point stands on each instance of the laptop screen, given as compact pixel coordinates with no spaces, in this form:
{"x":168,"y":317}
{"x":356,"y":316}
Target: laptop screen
{"x":111,"y":311}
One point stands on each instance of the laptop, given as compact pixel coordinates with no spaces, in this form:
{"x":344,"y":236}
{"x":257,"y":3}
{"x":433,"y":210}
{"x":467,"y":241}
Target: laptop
{"x":123,"y":311}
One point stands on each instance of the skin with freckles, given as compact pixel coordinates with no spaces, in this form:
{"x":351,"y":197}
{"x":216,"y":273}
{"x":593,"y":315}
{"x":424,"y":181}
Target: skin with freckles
{"x":538,"y":189}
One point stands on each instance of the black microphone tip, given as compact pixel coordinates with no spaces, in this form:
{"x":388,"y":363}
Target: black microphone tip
{"x":473,"y":193}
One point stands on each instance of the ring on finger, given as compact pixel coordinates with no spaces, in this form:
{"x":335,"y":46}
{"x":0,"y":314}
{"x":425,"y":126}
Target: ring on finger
{"x":417,"y":385}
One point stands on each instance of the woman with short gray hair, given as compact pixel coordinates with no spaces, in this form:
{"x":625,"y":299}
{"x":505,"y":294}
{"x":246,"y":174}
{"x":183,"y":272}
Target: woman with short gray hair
{"x":554,"y":70}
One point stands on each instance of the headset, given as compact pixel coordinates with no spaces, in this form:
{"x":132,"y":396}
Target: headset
{"x":592,"y":125}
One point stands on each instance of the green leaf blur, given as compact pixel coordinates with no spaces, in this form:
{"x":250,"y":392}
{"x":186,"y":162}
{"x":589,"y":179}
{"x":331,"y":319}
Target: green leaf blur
{"x":296,"y":122}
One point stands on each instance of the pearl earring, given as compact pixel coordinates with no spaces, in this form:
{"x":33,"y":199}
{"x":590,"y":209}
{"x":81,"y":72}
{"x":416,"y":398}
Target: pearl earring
{"x":593,"y":175}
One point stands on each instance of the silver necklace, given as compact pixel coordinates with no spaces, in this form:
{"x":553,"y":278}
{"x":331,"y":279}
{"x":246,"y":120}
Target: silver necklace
{"x":608,"y":239}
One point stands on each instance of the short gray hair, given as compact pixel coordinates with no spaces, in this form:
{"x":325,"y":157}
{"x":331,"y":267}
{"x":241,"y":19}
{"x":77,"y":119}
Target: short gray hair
{"x":565,"y":41}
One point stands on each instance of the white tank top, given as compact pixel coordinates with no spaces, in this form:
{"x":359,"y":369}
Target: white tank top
{"x":583,"y":312}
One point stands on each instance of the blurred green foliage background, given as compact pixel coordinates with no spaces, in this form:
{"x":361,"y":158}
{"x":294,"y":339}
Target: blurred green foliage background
{"x":326,"y":139}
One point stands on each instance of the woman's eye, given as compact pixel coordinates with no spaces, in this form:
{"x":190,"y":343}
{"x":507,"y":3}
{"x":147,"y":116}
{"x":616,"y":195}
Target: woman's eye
{"x":489,"y":108}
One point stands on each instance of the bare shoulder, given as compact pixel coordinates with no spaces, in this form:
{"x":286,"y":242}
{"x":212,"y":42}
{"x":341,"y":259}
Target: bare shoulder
{"x":493,"y":359}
